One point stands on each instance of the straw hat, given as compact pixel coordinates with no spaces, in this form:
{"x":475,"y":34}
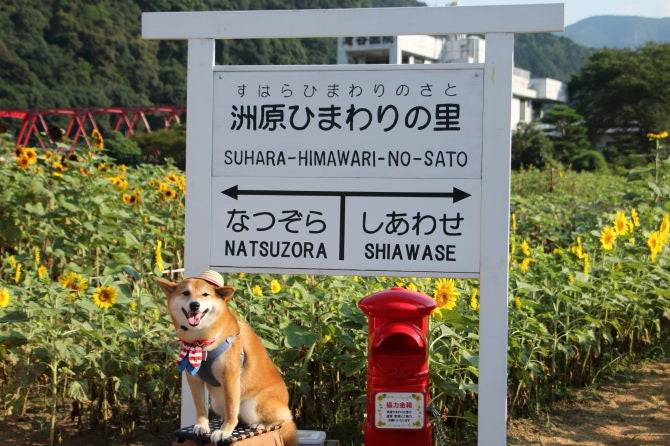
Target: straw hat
{"x":212,"y":277}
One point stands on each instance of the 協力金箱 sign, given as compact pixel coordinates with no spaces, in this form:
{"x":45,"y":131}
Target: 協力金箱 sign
{"x":347,"y":169}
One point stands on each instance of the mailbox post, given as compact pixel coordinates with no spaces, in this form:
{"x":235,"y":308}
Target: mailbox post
{"x":397,"y":395}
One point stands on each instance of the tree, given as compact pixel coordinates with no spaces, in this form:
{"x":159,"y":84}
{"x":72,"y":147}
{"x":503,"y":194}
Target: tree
{"x":625,"y":92}
{"x":530,"y":147}
{"x":567,"y":132}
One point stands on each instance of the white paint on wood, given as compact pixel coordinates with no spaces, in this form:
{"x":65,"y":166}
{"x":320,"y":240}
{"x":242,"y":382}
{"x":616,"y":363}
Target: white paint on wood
{"x":352,"y":22}
{"x":445,"y":140}
{"x":199,"y":96}
{"x":247,"y":232}
{"x":492,"y":401}
{"x":498,"y":22}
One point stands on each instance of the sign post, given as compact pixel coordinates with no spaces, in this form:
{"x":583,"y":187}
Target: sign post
{"x":367,"y":170}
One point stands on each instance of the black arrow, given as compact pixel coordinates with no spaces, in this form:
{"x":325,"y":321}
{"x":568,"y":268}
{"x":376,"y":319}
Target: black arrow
{"x":456,"y":194}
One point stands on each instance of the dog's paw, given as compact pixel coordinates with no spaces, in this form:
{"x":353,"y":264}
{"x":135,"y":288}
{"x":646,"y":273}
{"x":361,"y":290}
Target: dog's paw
{"x":201,"y":429}
{"x":219,"y":435}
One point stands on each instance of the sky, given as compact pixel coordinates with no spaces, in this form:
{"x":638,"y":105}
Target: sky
{"x":575,"y":10}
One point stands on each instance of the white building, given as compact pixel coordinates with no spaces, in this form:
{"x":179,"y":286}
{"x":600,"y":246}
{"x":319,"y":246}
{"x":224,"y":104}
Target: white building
{"x":531,"y":96}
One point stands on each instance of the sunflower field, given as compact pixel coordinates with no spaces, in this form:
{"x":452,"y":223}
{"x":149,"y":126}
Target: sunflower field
{"x":84,"y":334}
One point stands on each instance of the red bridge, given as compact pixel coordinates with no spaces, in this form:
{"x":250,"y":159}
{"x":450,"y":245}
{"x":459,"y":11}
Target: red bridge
{"x":81,"y":122}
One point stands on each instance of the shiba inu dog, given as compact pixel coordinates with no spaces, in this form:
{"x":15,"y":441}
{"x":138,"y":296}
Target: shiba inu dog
{"x":223,"y":353}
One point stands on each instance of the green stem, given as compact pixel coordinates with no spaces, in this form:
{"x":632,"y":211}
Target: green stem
{"x":658,"y":167}
{"x":54,"y":401}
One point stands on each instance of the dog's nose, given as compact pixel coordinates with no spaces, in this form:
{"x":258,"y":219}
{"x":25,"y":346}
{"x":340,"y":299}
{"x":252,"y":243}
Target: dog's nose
{"x":194,"y":306}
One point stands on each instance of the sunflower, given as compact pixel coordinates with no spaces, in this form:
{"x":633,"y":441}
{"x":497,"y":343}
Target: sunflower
{"x":474,"y":302}
{"x":132,"y":199}
{"x":578,"y":249}
{"x":169,"y":194}
{"x":608,"y":238}
{"x":158,"y":255}
{"x":118,"y":181}
{"x":275,"y":286}
{"x":18,"y":151}
{"x":587,"y":264}
{"x":57,"y":166}
{"x":84,"y":172}
{"x":98,"y":141}
{"x":4,"y":297}
{"x":104,"y":296}
{"x":525,"y":248}
{"x":31,"y":154}
{"x":664,"y":229}
{"x":73,"y":281}
{"x":411,"y":287}
{"x":42,"y":272}
{"x":23,"y":162}
{"x":635,"y":217}
{"x":655,"y":245}
{"x":620,"y":223}
{"x":446,"y":294}
{"x":257,"y":291}
{"x":525,"y":264}
{"x":658,"y":135}
{"x":517,"y":303}
{"x":17,"y":273}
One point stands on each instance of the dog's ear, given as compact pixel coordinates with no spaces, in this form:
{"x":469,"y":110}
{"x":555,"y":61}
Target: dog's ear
{"x":167,"y":286}
{"x":225,"y":292}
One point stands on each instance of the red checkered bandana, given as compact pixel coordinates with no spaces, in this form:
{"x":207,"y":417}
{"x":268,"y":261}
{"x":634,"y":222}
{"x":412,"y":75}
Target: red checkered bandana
{"x":195,"y":352}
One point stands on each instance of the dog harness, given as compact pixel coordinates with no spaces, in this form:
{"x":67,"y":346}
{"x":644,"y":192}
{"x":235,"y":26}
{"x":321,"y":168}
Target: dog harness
{"x":204,"y":365}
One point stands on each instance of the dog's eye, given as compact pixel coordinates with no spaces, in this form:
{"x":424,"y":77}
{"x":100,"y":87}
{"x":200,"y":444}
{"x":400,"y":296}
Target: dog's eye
{"x":186,"y":293}
{"x":205,"y":294}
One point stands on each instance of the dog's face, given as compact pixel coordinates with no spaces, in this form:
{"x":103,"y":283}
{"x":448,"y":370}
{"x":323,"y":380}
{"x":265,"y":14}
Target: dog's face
{"x":195,"y":305}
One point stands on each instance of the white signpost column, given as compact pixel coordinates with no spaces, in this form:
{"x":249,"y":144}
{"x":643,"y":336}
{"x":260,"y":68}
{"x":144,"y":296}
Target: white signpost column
{"x":367,"y":170}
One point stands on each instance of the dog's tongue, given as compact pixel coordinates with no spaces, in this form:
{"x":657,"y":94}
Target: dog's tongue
{"x":194,"y":319}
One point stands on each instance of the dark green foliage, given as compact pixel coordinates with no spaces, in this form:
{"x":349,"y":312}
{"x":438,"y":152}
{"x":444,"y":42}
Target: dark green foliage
{"x":624,"y":94}
{"x":547,"y":55}
{"x":90,"y":52}
{"x":590,"y":160}
{"x":530,"y":147}
{"x":123,"y":150}
{"x":567,"y":132}
{"x":59,"y":53}
{"x":158,"y":146}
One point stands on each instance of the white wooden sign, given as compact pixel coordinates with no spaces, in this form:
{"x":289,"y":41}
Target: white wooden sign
{"x":339,"y":169}
{"x":353,"y":207}
{"x":349,"y":121}
{"x":369,"y":226}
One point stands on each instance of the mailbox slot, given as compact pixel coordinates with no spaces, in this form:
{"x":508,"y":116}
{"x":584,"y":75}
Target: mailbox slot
{"x":399,"y":338}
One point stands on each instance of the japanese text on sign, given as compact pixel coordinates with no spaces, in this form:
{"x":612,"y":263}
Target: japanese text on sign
{"x":399,"y":410}
{"x":400,"y":122}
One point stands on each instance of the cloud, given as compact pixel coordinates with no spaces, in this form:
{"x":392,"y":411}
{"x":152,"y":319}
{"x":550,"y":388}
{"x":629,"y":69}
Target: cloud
{"x":663,"y":8}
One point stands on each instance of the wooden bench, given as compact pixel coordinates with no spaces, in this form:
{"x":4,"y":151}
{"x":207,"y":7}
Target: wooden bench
{"x":241,"y":436}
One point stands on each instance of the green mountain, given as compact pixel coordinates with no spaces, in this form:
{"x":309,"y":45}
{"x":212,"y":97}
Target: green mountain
{"x":619,"y":31}
{"x":547,"y":55}
{"x":59,"y":53}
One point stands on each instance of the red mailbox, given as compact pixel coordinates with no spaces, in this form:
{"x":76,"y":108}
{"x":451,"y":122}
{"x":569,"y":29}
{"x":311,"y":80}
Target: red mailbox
{"x":397,"y":368}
